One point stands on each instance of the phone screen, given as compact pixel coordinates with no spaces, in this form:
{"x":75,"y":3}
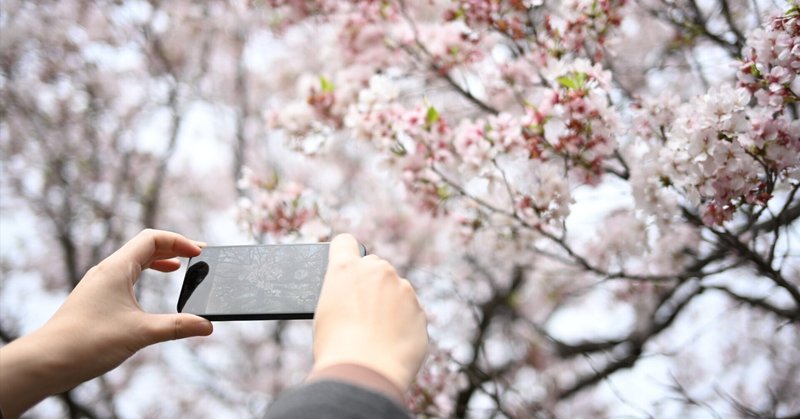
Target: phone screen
{"x":255,"y":282}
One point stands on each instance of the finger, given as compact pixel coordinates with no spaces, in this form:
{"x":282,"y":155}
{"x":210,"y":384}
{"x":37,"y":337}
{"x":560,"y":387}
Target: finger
{"x":164,"y":327}
{"x":167,"y":244}
{"x":166,"y":265}
{"x":151,"y":245}
{"x":344,"y":248}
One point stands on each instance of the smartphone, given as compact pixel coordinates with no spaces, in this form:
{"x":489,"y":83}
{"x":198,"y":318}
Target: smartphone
{"x":258,"y":282}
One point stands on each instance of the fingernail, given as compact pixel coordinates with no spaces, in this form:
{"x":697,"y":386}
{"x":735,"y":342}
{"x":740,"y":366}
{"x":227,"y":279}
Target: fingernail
{"x":203,"y":328}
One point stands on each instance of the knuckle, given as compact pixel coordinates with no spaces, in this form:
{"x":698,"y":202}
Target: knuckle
{"x":406,"y":287}
{"x":386,"y":268}
{"x":177,"y":328}
{"x":97,"y":270}
{"x":146,"y":235}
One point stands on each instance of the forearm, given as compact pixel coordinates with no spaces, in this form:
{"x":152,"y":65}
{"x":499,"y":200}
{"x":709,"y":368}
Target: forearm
{"x":98,"y":327}
{"x":31,"y":369}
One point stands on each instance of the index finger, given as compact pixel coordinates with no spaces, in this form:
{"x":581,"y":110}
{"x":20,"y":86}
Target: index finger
{"x":152,"y":245}
{"x":344,"y":247}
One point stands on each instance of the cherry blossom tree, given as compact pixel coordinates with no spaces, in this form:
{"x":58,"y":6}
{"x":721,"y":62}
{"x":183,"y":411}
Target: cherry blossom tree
{"x":596,"y":200}
{"x":478,"y":129}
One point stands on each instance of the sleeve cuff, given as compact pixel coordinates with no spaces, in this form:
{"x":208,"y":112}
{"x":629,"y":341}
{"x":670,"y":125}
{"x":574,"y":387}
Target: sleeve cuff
{"x":361,"y":376}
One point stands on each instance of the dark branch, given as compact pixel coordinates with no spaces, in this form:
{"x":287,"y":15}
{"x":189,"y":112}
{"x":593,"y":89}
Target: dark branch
{"x":728,"y":240}
{"x":488,"y":310}
{"x":762,"y":303}
{"x":788,"y":215}
{"x":695,"y":24}
{"x":76,"y":409}
{"x":726,"y":12}
{"x":568,"y":350}
{"x":7,"y":335}
{"x":438,"y":70}
{"x":634,"y":345}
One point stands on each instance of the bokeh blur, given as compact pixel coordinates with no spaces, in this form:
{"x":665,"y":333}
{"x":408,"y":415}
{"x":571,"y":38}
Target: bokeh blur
{"x":596,"y":200}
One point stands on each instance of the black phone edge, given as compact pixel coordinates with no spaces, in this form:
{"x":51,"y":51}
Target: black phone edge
{"x":275,"y":316}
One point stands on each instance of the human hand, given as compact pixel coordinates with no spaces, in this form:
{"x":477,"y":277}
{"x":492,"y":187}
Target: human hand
{"x":99,"y":326}
{"x":368,"y":315}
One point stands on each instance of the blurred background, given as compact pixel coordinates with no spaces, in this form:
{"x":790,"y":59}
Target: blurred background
{"x":558,"y":282}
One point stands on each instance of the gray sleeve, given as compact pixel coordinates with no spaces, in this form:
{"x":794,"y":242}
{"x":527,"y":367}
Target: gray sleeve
{"x":330,"y":399}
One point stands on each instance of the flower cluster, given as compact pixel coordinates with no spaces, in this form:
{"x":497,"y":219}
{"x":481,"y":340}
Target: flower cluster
{"x":705,"y":158}
{"x":413,"y":139}
{"x":721,"y":152}
{"x":429,"y":154}
{"x":585,"y":21}
{"x":770,"y":72}
{"x":566,"y":30}
{"x":450,"y":45}
{"x":582,"y":127}
{"x":276,"y":208}
{"x":772,"y":62}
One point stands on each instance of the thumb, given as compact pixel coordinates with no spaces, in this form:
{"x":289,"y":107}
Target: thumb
{"x":344,"y":247}
{"x":164,"y":327}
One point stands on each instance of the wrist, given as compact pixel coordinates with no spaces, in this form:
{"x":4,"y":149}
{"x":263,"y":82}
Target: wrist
{"x":361,"y":376}
{"x":395,"y":374}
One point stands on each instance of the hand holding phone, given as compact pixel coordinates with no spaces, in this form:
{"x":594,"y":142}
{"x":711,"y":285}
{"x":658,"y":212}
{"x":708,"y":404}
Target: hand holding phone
{"x":99,"y":326}
{"x":258,"y":282}
{"x":368,"y":315}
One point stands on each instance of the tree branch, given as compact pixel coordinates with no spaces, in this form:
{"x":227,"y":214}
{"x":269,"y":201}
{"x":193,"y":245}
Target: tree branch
{"x":437,"y":69}
{"x":488,"y":310}
{"x":695,"y":24}
{"x":634,"y":346}
{"x":76,"y":409}
{"x":732,"y":242}
{"x":762,"y":303}
{"x":726,"y":12}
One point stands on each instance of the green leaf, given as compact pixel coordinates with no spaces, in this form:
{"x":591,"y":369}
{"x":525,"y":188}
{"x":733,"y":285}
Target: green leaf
{"x":566,"y":81}
{"x":514,"y":300}
{"x":271,"y":183}
{"x":594,"y":12}
{"x":573,"y":81}
{"x":325,"y":85}
{"x":431,"y":117}
{"x":443,"y":192}
{"x":754,"y":71}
